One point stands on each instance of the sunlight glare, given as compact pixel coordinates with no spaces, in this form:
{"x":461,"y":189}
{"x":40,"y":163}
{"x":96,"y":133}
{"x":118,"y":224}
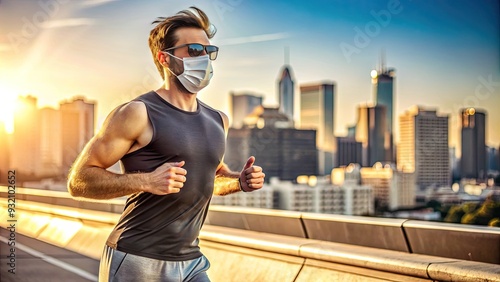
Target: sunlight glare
{"x":7,"y":106}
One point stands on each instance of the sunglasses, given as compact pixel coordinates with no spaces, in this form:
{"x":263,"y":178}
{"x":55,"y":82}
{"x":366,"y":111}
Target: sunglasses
{"x":196,"y":49}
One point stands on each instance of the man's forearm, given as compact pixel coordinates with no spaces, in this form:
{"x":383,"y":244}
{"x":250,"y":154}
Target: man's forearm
{"x":226,"y":184}
{"x":98,"y":183}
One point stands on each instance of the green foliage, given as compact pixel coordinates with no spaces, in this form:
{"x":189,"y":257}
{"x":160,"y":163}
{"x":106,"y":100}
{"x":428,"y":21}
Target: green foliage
{"x":455,"y":214}
{"x":494,"y":222}
{"x":482,"y":215}
{"x":469,"y":218}
{"x":490,"y":209}
{"x":470,"y":207}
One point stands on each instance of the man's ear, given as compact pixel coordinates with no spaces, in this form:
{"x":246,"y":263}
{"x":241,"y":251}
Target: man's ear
{"x":163,"y":58}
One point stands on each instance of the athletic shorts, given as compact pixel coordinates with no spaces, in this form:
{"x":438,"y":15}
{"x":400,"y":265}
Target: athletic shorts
{"x":117,"y":266}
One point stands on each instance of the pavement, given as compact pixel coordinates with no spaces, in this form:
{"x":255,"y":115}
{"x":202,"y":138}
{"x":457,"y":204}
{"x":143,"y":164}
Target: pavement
{"x":39,"y":261}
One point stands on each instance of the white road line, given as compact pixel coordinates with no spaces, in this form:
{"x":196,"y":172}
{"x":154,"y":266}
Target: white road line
{"x":51,"y":260}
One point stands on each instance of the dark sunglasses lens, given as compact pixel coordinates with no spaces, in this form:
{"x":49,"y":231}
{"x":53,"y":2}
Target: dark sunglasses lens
{"x":194,"y":50}
{"x":212,"y":51}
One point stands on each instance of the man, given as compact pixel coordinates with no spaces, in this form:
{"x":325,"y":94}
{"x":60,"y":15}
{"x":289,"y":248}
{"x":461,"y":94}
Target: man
{"x":171,"y":146}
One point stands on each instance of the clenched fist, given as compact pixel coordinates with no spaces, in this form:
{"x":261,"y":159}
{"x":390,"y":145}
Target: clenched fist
{"x":167,"y":179}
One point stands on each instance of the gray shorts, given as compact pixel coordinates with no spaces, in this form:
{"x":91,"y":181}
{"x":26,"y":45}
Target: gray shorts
{"x":118,"y":266}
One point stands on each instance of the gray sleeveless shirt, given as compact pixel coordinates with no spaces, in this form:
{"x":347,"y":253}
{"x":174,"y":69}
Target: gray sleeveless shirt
{"x":167,"y":227}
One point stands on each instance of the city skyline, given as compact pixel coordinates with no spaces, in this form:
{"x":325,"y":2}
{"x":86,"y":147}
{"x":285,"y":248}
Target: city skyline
{"x":447,"y":57}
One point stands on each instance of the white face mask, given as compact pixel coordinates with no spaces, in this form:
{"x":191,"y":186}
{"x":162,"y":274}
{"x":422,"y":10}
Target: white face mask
{"x":197,"y":72}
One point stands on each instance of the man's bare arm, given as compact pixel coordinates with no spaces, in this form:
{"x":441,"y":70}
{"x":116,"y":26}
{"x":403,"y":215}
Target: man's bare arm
{"x":250,"y":179}
{"x":124,"y":128}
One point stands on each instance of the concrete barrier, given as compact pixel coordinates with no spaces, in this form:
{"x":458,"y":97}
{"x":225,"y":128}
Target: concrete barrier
{"x":79,"y":230}
{"x":460,"y":241}
{"x":321,"y":246}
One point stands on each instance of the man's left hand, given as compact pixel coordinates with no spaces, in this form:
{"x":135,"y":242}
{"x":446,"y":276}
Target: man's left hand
{"x":251,"y":177}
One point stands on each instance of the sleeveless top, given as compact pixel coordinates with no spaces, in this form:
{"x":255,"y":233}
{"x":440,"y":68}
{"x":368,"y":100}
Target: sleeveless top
{"x":167,"y":227}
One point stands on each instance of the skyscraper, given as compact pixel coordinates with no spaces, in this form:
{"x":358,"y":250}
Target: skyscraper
{"x":284,"y":152}
{"x":348,"y":151}
{"x":473,"y":159}
{"x":241,"y":106}
{"x":370,"y":131}
{"x":423,"y":147}
{"x":25,"y":154}
{"x":317,"y":104}
{"x":4,"y":152}
{"x":286,"y":91}
{"x":77,"y":128}
{"x":383,"y":89}
{"x":50,"y":142}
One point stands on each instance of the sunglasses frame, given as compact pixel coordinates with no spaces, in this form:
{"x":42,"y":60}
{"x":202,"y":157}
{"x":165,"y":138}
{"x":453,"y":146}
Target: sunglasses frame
{"x":204,"y":48}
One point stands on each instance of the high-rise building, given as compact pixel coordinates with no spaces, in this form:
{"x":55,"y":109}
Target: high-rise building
{"x":393,"y":189}
{"x":285,"y":152}
{"x":370,"y":131}
{"x":423,"y":147}
{"x":25,"y":149}
{"x":473,"y":133}
{"x":317,"y":106}
{"x":348,"y":151}
{"x":383,"y":88}
{"x":77,"y":128}
{"x":241,"y":106}
{"x":286,"y":91}
{"x":492,"y":155}
{"x":4,"y":152}
{"x":50,"y":142}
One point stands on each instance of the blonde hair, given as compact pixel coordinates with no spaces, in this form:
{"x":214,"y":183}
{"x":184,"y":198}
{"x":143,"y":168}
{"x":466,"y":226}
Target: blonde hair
{"x":162,"y":36}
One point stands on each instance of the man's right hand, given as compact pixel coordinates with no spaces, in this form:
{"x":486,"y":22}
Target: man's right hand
{"x":166,"y":179}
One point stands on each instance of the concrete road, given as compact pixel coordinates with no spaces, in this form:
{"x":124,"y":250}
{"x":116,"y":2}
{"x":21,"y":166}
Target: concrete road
{"x":39,"y":261}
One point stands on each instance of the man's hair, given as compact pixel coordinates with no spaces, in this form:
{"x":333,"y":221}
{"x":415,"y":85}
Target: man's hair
{"x":162,"y":36}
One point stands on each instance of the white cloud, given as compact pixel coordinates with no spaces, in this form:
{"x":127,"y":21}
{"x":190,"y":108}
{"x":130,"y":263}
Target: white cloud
{"x":4,"y":47}
{"x":70,"y":22}
{"x":94,"y":3}
{"x":253,"y":39}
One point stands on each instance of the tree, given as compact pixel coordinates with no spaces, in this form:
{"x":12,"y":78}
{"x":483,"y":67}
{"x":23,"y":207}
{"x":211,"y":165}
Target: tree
{"x":470,"y":207}
{"x":494,"y":222}
{"x":455,"y":214}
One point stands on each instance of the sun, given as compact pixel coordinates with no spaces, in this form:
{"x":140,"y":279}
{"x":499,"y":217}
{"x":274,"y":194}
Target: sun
{"x":7,"y":106}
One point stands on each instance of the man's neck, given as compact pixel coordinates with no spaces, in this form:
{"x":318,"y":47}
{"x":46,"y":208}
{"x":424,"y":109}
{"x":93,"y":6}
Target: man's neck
{"x":184,"y":101}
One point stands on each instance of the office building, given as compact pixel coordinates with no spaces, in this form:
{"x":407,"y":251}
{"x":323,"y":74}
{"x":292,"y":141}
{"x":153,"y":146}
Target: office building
{"x":423,"y":147}
{"x":4,"y":152}
{"x":50,"y":142}
{"x":77,"y":127}
{"x":317,"y":104}
{"x":392,"y":189}
{"x":383,"y":89}
{"x":371,"y":133}
{"x":241,"y":106}
{"x":25,"y":149}
{"x":358,"y":199}
{"x":286,"y":92}
{"x":493,"y":164}
{"x":348,"y":151}
{"x":293,"y":197}
{"x":473,"y":137}
{"x":284,"y":152}
{"x":265,"y":198}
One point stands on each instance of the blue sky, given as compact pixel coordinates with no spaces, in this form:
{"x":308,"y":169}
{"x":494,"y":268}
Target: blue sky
{"x":446,"y":53}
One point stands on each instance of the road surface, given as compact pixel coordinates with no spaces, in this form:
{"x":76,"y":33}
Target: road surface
{"x":38,"y":261}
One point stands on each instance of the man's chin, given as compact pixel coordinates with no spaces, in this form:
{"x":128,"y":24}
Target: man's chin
{"x":181,"y":87}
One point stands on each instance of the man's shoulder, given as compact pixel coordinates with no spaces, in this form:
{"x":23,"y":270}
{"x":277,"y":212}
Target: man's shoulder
{"x":216,"y":112}
{"x":146,"y":97}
